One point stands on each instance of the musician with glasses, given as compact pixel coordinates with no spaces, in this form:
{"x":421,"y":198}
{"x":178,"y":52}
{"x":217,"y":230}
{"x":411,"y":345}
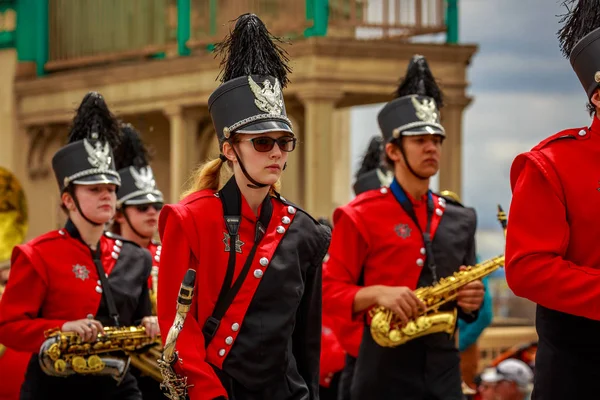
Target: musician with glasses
{"x":254,"y":328}
{"x":138,"y":206}
{"x":77,"y":280}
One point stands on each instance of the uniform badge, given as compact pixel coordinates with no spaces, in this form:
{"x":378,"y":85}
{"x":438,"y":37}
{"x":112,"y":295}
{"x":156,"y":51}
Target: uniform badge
{"x":81,"y":272}
{"x":238,"y":243}
{"x":268,"y":98}
{"x":403,"y":230}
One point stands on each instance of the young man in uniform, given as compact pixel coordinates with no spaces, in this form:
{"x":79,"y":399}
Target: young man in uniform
{"x":552,"y":255}
{"x":388,"y":242}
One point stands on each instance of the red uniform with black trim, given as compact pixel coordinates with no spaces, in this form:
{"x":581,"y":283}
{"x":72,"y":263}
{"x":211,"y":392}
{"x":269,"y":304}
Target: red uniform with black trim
{"x":553,"y":257}
{"x":375,"y":242}
{"x":267,"y":344}
{"x":54,"y":280}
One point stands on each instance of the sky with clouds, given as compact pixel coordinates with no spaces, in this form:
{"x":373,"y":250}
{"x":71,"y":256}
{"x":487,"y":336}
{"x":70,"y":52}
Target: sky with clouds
{"x":523,"y":90}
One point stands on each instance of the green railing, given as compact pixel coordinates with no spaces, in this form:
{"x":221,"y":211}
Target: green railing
{"x":62,"y":34}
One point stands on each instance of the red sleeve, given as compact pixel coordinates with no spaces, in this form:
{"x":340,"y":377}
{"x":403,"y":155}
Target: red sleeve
{"x":20,"y":327}
{"x":176,"y":258}
{"x":342,"y":270}
{"x":537,"y":240}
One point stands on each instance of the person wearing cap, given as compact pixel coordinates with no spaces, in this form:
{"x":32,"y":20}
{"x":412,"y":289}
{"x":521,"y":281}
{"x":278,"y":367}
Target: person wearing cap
{"x":138,"y":205}
{"x":139,"y":200}
{"x":509,"y":380}
{"x":552,"y":254}
{"x":254,"y":328}
{"x":77,"y":279}
{"x":389,"y":241}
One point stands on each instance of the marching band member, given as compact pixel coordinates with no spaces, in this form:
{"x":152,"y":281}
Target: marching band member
{"x":552,"y":255}
{"x":253,"y":331}
{"x":138,"y":205}
{"x":76,"y":279}
{"x":390,"y":241}
{"x":138,"y":199}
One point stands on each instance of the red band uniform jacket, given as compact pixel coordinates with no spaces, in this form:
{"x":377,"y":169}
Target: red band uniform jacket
{"x":54,"y":280}
{"x":268,"y":342}
{"x":553,"y":257}
{"x":375,"y":242}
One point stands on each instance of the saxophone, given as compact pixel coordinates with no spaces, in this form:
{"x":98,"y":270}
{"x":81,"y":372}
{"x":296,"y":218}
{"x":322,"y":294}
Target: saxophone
{"x":175,"y":386}
{"x":64,"y":353}
{"x":388,"y":331}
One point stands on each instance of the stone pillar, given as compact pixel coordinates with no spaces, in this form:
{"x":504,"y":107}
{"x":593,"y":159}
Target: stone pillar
{"x":8,"y":132}
{"x":451,"y":163}
{"x":320,"y":149}
{"x":178,"y":153}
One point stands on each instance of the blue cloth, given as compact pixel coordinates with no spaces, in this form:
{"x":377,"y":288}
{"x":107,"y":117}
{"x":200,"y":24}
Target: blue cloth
{"x":468,"y":333}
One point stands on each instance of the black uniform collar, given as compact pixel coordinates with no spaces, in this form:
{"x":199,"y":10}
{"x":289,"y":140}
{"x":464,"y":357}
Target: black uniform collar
{"x":74,"y":233}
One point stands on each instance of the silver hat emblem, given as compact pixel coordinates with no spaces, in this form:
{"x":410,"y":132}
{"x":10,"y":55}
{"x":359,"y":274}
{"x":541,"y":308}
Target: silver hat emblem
{"x":98,"y":155}
{"x":143,"y":178}
{"x":268,"y":98}
{"x":426,"y":111}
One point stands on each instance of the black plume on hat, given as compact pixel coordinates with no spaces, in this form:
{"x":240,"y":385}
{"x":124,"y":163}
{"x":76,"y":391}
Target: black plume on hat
{"x":94,"y":120}
{"x":131,"y":151}
{"x":372,"y":157}
{"x":580,"y":19}
{"x":419,"y":80}
{"x":250,"y":49}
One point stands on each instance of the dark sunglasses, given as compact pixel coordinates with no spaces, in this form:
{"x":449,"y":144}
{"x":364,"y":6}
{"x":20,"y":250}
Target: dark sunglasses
{"x":144,"y":207}
{"x":264,"y":144}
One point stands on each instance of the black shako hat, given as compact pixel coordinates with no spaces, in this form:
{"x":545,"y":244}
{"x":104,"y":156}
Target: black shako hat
{"x":415,"y":110}
{"x":580,"y":41}
{"x":254,"y":73}
{"x":138,"y":185}
{"x":88,"y":157}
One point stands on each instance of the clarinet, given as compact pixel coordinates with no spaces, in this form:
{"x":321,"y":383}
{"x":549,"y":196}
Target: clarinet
{"x":175,"y":386}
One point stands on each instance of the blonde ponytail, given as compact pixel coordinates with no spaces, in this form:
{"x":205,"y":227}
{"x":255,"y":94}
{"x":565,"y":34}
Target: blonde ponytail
{"x":206,"y":176}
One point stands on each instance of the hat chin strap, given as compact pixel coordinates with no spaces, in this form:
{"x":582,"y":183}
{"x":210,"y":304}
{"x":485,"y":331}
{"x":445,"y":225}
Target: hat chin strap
{"x":131,"y":225}
{"x":71,"y":191}
{"x":412,"y":171}
{"x":256,"y":184}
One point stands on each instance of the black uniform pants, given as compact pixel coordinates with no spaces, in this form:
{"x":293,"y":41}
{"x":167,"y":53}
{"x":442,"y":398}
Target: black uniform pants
{"x":346,"y":378}
{"x":427,"y":368}
{"x":561,"y":374}
{"x":39,"y":386}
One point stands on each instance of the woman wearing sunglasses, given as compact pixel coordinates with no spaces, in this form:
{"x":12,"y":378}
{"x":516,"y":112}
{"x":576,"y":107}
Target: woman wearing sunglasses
{"x":138,"y":200}
{"x":254,"y":328}
{"x":138,"y":205}
{"x":77,"y":279}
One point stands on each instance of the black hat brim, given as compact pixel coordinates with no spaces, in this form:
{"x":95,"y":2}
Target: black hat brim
{"x":97,"y":179}
{"x":265,"y":127}
{"x":424,"y":130}
{"x":146,"y":198}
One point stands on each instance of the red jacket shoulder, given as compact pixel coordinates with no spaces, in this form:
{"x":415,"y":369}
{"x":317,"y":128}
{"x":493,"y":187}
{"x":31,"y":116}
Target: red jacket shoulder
{"x":549,"y":151}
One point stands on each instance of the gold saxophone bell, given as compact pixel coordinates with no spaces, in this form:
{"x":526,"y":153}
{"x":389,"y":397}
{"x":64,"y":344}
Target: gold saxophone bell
{"x":387,"y":329}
